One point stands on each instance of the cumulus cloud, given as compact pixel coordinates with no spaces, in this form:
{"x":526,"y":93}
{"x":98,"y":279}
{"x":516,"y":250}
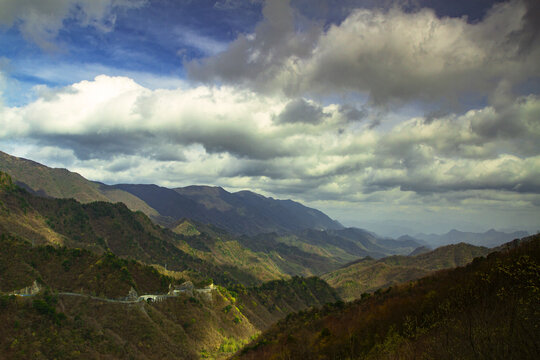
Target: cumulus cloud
{"x":112,"y":129}
{"x":265,"y":58}
{"x":278,"y":145}
{"x":391,"y":55}
{"x":112,"y":115}
{"x":40,"y":21}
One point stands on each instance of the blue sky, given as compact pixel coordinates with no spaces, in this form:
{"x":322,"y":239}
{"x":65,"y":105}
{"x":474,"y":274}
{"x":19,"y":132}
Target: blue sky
{"x":154,"y":39}
{"x":397,"y":116}
{"x":157,"y":37}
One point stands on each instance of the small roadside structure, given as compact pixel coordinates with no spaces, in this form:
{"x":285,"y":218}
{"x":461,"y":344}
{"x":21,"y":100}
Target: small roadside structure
{"x":31,"y":290}
{"x":206,"y":289}
{"x":132,"y":295}
{"x":152,"y":298}
{"x":185,"y":288}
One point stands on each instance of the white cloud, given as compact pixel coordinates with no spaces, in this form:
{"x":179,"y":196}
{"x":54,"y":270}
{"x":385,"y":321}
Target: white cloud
{"x":392,"y":55}
{"x":205,"y":44}
{"x":112,"y":129}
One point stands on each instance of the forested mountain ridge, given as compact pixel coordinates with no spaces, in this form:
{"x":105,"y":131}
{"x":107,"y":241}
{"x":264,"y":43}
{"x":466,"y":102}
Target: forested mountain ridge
{"x":94,"y":251}
{"x":490,"y":238}
{"x":191,"y":247}
{"x":242,"y":212}
{"x":81,"y":311}
{"x":103,"y":227}
{"x":488,"y":309}
{"x":368,"y":274}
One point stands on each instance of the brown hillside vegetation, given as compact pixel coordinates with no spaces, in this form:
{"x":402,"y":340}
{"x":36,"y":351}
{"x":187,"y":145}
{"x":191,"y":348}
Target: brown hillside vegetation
{"x":489,"y":309}
{"x":105,"y":227}
{"x":86,"y":258}
{"x":74,"y":270}
{"x":58,"y":324}
{"x":192,"y":248}
{"x":368,"y":275}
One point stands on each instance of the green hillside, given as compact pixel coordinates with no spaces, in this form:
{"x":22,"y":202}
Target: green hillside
{"x":105,"y":227}
{"x":368,"y":275}
{"x":486,"y":310}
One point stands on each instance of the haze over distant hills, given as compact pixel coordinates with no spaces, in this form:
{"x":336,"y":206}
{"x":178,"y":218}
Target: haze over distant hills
{"x":490,"y":238}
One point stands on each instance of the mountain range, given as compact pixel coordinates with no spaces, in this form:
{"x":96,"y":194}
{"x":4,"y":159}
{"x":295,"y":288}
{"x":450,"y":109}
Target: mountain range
{"x":87,"y":251}
{"x":86,"y":258}
{"x":239,"y":213}
{"x":199,"y":249}
{"x":367,"y":274}
{"x":490,"y":238}
{"x":242,"y":212}
{"x":488,"y":310}
{"x":260,"y":224}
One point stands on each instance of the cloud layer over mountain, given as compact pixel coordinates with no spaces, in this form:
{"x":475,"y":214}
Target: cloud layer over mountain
{"x":388,"y":112}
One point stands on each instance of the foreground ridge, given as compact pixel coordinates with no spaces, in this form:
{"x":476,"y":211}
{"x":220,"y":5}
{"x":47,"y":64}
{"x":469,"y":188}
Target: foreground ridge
{"x":488,"y":309}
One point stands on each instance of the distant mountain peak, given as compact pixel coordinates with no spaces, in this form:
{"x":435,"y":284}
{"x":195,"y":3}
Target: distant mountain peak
{"x":490,"y":238}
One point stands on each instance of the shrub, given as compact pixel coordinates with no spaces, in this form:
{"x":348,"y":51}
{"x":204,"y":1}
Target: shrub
{"x":42,"y":307}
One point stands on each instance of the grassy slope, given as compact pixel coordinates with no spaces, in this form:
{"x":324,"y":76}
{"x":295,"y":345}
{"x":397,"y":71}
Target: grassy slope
{"x":368,"y":275}
{"x":488,"y":309}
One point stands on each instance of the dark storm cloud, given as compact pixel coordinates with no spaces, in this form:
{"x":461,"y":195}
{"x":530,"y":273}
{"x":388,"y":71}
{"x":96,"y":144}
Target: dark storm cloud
{"x":238,"y":142}
{"x":352,"y":113}
{"x":259,"y":58}
{"x":101,"y":146}
{"x":394,"y":56}
{"x":422,"y":184}
{"x":301,"y":111}
{"x":165,"y":146}
{"x":529,"y":36}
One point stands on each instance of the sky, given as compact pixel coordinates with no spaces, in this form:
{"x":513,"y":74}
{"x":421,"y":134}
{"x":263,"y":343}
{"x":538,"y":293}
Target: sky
{"x":395,"y":116}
